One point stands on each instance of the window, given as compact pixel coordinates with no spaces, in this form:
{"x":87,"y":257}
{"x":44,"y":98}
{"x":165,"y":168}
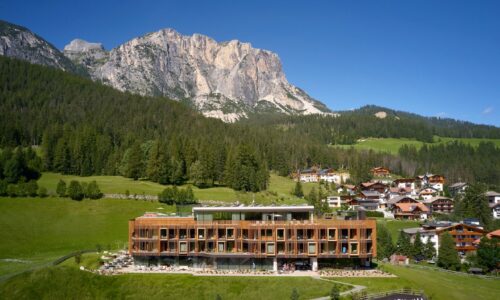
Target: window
{"x":201,"y":233}
{"x":183,"y":248}
{"x":311,"y":249}
{"x":221,"y":247}
{"x":163,"y":233}
{"x":331,"y":233}
{"x":270,"y":248}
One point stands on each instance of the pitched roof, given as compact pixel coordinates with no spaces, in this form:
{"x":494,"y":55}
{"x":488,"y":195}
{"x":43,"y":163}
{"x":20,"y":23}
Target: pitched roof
{"x":458,"y":185}
{"x":411,"y":207}
{"x":495,"y":233}
{"x":398,"y":198}
{"x":474,"y":228}
{"x":431,"y":200}
{"x":492,"y":194}
{"x":371,"y":193}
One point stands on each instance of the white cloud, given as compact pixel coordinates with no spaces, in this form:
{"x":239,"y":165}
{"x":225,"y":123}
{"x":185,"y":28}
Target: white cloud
{"x":487,"y":110}
{"x":441,"y":114}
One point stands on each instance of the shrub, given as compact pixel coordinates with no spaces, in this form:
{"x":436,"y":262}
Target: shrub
{"x":375,"y":214}
{"x":61,"y":188}
{"x":12,"y":190}
{"x":31,"y":188}
{"x":42,"y":192}
{"x":75,"y":190}
{"x":93,"y":191}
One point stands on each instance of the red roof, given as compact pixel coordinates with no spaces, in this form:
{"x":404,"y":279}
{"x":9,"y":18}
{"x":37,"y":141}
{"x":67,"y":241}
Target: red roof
{"x":410,"y":207}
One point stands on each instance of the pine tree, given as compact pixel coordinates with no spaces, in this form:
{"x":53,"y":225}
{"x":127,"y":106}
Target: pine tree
{"x":298,"y":190}
{"x":403,"y":244}
{"x":385,"y":246}
{"x":429,"y":249}
{"x":448,"y":255}
{"x":132,"y":162}
{"x":418,"y":246}
{"x":488,"y":253}
{"x":155,"y":161}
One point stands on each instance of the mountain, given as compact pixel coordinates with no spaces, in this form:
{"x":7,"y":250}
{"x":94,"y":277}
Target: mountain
{"x":19,"y":42}
{"x":226,"y":80}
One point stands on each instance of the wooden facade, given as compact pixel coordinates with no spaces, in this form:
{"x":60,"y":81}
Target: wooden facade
{"x":186,"y":236}
{"x":464,"y":236}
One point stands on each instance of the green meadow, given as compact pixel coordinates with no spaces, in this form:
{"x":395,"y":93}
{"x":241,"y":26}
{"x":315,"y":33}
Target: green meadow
{"x":279,"y":190}
{"x":435,"y":284}
{"x":392,"y":145}
{"x":36,"y":231}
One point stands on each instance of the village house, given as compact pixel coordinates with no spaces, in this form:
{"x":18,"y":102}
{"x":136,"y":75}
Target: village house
{"x":464,"y":235}
{"x":315,"y":174}
{"x":335,"y":201}
{"x":494,"y":203}
{"x":366,"y":204}
{"x":374,"y":186}
{"x":427,"y":193}
{"x":347,"y":189}
{"x":404,"y":183}
{"x":400,"y":199}
{"x":381,"y":172}
{"x":410,"y":211}
{"x":458,"y":188}
{"x":430,"y":180}
{"x":439,"y":204}
{"x":399,"y":191}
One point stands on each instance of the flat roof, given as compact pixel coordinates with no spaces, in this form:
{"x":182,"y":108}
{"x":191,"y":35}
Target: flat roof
{"x":241,"y":208}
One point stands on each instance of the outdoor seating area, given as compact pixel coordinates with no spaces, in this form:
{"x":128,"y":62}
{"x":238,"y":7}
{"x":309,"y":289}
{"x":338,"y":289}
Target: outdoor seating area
{"x":354,"y":273}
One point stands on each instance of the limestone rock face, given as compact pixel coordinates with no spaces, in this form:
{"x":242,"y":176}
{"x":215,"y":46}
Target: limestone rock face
{"x":19,"y":42}
{"x":88,"y":55}
{"x":224,"y":80}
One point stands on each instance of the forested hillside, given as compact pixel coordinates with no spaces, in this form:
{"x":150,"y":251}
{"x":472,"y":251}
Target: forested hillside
{"x":349,"y":126}
{"x":86,"y":128}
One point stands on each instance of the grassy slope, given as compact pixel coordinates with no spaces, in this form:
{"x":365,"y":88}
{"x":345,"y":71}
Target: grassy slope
{"x":436,"y":284}
{"x":394,"y":226}
{"x":68,"y":283}
{"x":278,"y":191}
{"x":392,"y":145}
{"x":39,"y":230}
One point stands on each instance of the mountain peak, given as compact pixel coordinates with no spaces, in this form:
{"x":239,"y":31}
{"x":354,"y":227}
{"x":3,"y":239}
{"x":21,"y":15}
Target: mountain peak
{"x":226,"y":80}
{"x":79,"y":45}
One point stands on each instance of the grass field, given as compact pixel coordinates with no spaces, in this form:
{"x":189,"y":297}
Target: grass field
{"x":36,"y":230}
{"x":392,"y":145}
{"x":395,"y":226}
{"x":279,"y":188}
{"x":69,"y":283}
{"x":436,"y":284}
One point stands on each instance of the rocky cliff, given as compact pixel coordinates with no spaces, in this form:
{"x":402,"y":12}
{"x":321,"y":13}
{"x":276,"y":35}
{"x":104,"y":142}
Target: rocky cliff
{"x":19,"y":42}
{"x":224,"y":80}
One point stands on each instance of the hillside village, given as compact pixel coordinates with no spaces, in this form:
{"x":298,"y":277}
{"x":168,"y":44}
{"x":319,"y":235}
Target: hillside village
{"x":427,"y":198}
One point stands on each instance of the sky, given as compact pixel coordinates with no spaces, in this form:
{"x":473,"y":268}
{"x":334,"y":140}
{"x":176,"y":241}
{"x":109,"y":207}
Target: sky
{"x":434,"y":58}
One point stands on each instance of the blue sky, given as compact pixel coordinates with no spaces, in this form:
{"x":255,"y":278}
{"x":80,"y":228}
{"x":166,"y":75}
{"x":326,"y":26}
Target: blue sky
{"x":435,"y":58}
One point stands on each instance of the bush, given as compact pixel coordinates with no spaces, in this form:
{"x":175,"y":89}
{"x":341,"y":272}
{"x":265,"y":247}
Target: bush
{"x":42,"y":192}
{"x":75,"y":190}
{"x":375,"y":214}
{"x":173,"y":195}
{"x":31,"y":188}
{"x":3,"y":188}
{"x":93,"y":191}
{"x":61,"y":188}
{"x":12,"y":190}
